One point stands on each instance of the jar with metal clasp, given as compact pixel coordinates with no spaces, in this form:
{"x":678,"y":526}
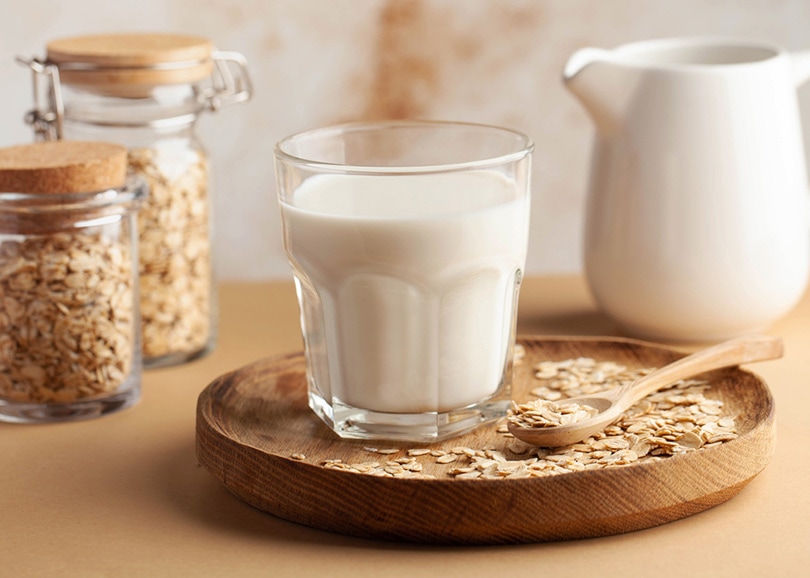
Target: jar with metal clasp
{"x":147,"y":91}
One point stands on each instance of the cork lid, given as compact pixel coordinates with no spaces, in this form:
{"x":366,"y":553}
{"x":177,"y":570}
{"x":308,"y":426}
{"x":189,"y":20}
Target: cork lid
{"x":121,"y":62}
{"x":62,"y":167}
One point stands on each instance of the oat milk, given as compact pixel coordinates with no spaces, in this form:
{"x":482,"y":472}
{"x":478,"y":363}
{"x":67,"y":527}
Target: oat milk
{"x":413,"y":283}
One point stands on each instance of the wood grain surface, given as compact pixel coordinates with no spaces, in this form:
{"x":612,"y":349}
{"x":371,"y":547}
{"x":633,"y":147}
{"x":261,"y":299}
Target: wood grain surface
{"x":251,"y":421}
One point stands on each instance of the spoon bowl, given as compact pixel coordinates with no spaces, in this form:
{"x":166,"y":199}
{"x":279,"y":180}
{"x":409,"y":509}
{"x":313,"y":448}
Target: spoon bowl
{"x":611,"y":403}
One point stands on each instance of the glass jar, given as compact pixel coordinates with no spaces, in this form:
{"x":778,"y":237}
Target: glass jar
{"x":69,"y":320}
{"x":146,"y":91}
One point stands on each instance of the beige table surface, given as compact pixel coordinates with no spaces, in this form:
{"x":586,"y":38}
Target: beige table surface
{"x":123,"y":495}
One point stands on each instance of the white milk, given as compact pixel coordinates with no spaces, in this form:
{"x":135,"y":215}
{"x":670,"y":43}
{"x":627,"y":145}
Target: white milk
{"x":408,"y":284}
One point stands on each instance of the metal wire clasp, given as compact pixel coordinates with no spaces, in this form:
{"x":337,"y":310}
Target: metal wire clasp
{"x":230,"y":81}
{"x":229,"y":84}
{"x":49,"y":107}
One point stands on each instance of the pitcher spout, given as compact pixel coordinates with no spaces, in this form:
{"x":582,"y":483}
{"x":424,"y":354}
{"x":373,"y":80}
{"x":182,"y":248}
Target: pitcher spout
{"x":600,"y":84}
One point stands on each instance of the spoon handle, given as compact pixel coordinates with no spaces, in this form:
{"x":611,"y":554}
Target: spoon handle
{"x":732,"y":352}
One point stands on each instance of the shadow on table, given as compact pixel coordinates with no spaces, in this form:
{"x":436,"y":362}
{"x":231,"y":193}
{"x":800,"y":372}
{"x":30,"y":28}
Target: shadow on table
{"x":197,"y":494}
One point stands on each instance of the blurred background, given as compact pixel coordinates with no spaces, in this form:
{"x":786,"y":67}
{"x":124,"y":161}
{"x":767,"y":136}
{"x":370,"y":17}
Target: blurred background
{"x":319,"y":62}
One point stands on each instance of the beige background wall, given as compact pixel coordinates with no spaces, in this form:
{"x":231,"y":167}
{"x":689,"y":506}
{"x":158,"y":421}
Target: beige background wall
{"x":316,"y":62}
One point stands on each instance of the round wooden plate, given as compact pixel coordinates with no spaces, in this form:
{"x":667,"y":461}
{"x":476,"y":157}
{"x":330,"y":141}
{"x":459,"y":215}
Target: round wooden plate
{"x":251,"y":421}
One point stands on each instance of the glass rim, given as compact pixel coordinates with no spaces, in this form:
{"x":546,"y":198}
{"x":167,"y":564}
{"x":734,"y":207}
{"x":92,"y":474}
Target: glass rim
{"x":639,"y":49}
{"x":525,"y":149}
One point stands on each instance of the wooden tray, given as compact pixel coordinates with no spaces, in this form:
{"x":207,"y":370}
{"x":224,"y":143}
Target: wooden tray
{"x":251,"y":421}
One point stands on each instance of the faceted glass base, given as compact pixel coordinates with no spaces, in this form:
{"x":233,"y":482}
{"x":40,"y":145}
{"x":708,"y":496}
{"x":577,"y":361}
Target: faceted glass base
{"x":357,"y":423}
{"x":21,"y":412}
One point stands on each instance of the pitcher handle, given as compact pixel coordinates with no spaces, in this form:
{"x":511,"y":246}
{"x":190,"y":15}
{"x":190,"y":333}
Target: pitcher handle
{"x":801,"y":66}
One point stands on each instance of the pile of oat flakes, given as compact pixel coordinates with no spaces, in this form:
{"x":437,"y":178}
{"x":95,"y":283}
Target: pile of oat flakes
{"x":175,"y":251}
{"x":674,"y":421}
{"x":67,"y":316}
{"x":543,"y":413}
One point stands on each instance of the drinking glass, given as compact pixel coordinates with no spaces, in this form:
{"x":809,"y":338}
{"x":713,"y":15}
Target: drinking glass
{"x":407,"y":241}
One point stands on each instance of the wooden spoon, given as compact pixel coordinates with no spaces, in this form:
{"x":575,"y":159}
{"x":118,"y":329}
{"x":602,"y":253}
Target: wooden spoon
{"x":611,"y":403}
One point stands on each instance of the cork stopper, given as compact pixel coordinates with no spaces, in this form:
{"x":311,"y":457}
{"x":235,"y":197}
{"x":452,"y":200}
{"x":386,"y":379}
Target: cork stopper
{"x":126,"y":64}
{"x":62,"y":167}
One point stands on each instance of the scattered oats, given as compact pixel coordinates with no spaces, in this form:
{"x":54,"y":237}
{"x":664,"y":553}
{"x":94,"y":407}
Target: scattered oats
{"x":616,"y":443}
{"x":671,"y":422}
{"x":495,"y":455}
{"x":641,"y":447}
{"x":546,"y":370}
{"x":710,"y":408}
{"x":383,"y":451}
{"x":726,"y":422}
{"x":299,"y":457}
{"x":547,"y":393}
{"x":690,"y":440}
{"x":722,"y":437}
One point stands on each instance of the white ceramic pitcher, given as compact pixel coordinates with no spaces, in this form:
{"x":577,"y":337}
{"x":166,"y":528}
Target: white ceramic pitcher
{"x":697,"y":223}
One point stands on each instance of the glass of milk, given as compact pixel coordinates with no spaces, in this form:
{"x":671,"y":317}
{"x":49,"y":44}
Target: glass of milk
{"x":407,"y":241}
